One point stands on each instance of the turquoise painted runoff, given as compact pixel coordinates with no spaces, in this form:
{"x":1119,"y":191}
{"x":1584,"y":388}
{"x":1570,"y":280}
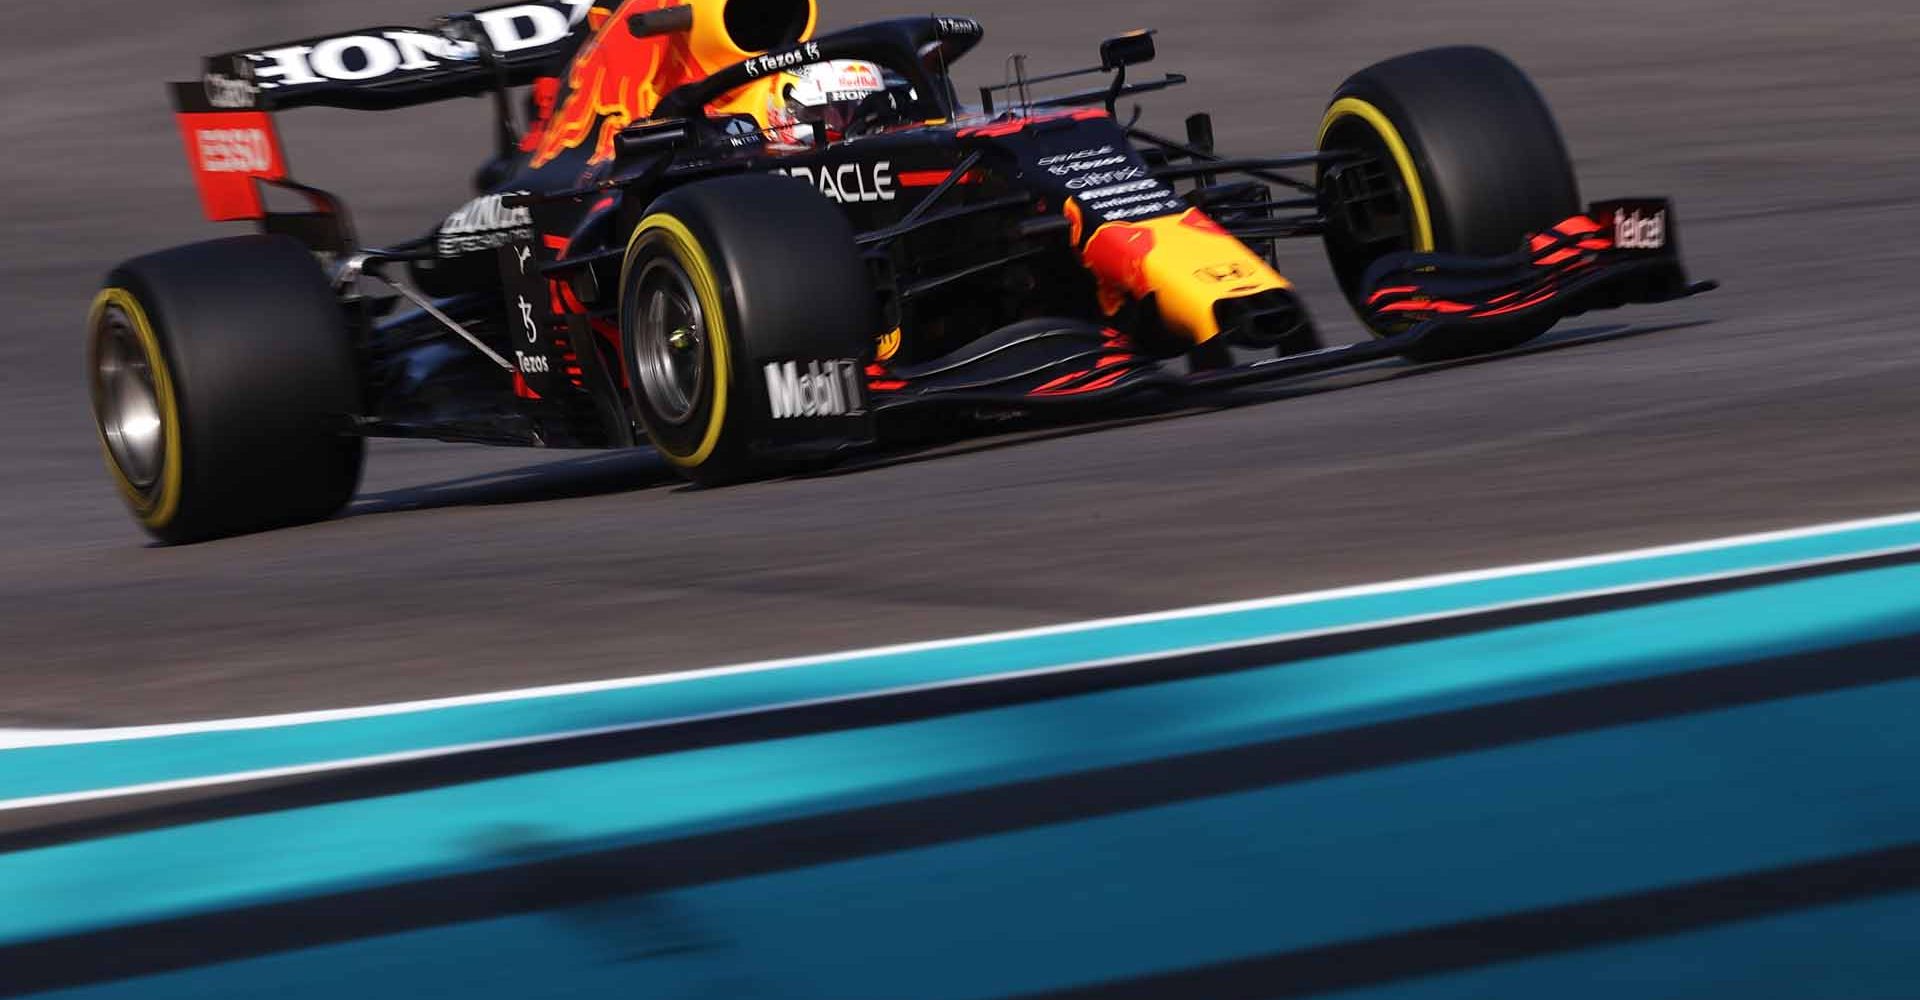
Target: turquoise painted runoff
{"x":39,"y":771}
{"x":484,"y":824}
{"x":1285,"y":868}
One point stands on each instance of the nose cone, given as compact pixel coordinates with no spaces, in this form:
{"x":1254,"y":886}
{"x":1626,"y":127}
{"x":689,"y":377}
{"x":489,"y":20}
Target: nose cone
{"x":1187,"y":262}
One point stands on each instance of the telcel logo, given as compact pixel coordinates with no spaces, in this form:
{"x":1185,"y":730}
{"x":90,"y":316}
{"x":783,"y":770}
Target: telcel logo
{"x":1633,"y":231}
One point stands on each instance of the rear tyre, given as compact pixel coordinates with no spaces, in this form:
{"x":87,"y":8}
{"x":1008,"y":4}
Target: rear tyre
{"x":721,"y":272}
{"x":223,"y":385}
{"x":1464,"y":157}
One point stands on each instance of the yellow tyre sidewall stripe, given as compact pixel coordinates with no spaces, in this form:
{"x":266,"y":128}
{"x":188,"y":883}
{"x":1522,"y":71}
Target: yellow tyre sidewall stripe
{"x":685,"y":246}
{"x":158,"y":509}
{"x":1353,"y":107}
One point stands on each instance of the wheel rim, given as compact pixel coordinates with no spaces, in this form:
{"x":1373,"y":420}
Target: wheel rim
{"x":670,"y":341}
{"x":1367,"y":204}
{"x":127,"y":403}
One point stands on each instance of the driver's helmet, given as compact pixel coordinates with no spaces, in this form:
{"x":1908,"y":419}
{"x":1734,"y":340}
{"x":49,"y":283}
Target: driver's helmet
{"x":829,"y":95}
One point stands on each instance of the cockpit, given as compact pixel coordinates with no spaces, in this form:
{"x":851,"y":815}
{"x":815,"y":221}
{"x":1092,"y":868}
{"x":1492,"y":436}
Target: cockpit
{"x":836,"y":99}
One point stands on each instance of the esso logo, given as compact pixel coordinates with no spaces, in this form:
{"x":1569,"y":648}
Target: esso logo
{"x":235,"y":150}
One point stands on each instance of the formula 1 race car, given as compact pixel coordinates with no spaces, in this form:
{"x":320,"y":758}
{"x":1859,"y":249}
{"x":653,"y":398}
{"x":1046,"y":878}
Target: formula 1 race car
{"x":750,"y":246}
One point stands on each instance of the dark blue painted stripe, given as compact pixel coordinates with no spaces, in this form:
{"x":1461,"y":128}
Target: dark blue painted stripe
{"x":1861,"y":949}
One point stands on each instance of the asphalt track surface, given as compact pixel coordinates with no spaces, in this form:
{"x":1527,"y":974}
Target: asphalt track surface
{"x":1787,"y":132}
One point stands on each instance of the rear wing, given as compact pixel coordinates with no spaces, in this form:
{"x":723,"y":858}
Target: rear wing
{"x":374,"y":69}
{"x":226,"y":117}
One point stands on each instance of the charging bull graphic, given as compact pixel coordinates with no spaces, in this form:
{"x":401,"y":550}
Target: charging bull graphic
{"x":617,"y":79}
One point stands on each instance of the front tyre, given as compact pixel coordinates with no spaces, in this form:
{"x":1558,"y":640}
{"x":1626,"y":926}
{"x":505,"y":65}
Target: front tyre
{"x":675,"y":343}
{"x":719,"y":277}
{"x":223,"y":386}
{"x":1461,"y":155}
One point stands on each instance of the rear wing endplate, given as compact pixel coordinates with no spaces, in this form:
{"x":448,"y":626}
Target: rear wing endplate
{"x":230,"y":149}
{"x":235,"y":153}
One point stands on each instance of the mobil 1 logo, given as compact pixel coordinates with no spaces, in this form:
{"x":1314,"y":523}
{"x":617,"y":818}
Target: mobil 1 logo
{"x":815,"y":388}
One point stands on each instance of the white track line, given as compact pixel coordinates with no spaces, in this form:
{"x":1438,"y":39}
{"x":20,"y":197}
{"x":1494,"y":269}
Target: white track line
{"x":59,"y":737}
{"x":321,"y":767}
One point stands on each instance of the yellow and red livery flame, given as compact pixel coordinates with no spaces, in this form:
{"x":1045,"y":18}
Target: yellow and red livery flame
{"x":1186,"y":261}
{"x":617,"y":79}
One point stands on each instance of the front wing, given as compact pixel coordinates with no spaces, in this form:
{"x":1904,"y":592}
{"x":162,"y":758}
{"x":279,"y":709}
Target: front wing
{"x":1617,"y":253}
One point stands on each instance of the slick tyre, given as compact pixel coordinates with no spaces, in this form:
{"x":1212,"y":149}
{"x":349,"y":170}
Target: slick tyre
{"x":720,"y":272}
{"x":223,"y":384}
{"x":1462,"y":156}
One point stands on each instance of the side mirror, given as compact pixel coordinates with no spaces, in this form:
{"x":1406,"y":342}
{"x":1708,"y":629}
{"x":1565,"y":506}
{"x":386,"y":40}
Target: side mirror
{"x":653,"y":137}
{"x":1130,"y":49}
{"x":665,"y":21}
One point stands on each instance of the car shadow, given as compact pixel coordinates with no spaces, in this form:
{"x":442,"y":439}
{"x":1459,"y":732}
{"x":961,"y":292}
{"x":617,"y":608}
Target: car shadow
{"x":594,"y":474}
{"x":633,"y":469}
{"x":1177,"y":407}
{"x":1399,"y":368}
